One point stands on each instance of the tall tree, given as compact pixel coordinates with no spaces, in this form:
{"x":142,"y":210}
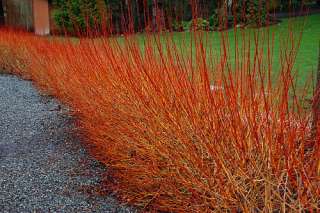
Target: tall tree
{"x":1,"y":13}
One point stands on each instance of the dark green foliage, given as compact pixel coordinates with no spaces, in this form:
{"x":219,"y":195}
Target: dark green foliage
{"x":220,"y":22}
{"x":214,"y":21}
{"x":286,"y":5}
{"x":177,"y":26}
{"x":181,"y":25}
{"x":76,"y":15}
{"x":199,"y":24}
{"x":73,"y":15}
{"x":252,"y":12}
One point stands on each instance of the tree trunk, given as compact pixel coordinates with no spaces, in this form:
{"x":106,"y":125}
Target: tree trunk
{"x":1,"y":14}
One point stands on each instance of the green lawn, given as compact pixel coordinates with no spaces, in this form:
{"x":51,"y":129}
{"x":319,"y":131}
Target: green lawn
{"x":307,"y":60}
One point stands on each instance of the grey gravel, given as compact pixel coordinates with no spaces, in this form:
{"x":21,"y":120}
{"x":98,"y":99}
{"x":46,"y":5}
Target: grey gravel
{"x":43,"y":167}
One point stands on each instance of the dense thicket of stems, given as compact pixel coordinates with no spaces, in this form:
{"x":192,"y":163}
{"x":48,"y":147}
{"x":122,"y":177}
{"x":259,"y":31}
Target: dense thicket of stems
{"x":182,"y":126}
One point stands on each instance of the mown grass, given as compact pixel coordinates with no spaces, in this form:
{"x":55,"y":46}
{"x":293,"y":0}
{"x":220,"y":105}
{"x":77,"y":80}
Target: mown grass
{"x":306,"y":61}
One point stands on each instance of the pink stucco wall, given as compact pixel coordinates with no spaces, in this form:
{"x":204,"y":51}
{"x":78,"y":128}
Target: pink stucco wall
{"x":41,"y":17}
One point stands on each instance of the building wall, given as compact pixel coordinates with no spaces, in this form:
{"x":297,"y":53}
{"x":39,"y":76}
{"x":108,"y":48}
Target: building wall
{"x":41,"y":17}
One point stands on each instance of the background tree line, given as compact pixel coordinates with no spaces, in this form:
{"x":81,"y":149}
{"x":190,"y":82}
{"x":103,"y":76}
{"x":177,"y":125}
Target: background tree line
{"x":123,"y":15}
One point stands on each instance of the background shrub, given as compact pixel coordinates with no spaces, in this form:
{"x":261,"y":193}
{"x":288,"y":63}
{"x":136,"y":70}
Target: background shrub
{"x":199,"y":24}
{"x":77,"y":15}
{"x":181,"y":25}
{"x":252,"y":12}
{"x":214,"y":21}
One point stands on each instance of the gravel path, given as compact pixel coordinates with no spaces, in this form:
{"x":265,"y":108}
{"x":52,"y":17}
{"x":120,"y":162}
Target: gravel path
{"x":43,"y":168}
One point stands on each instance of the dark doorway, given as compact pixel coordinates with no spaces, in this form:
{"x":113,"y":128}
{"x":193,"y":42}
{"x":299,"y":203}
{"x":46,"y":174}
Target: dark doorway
{"x":1,"y":13}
